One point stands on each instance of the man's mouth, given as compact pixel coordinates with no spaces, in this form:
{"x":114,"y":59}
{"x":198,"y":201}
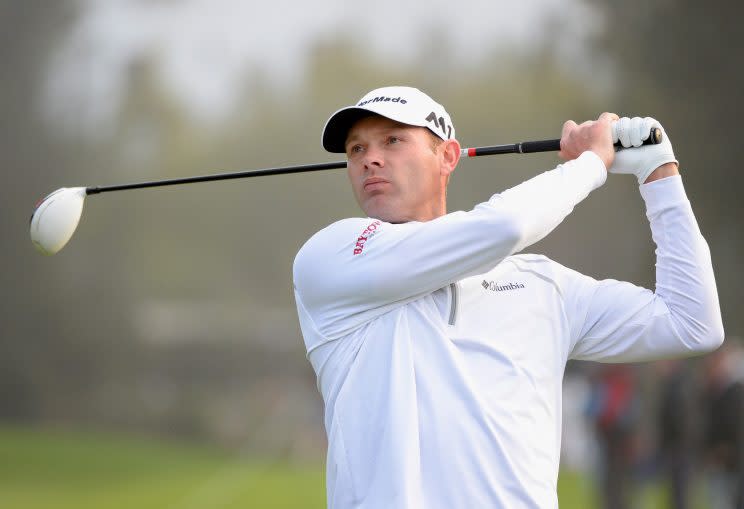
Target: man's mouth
{"x":374,"y":184}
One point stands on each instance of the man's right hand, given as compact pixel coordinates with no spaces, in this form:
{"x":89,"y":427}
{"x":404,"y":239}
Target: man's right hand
{"x":594,"y":135}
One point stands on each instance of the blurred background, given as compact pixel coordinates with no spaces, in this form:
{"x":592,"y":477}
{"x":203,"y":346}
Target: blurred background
{"x":156,"y":361}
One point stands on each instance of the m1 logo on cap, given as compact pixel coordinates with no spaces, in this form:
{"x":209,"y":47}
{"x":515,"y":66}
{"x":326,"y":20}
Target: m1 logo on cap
{"x":440,"y":123}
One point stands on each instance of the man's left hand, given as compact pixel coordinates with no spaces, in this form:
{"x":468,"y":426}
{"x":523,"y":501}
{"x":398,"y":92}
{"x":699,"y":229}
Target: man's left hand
{"x":642,"y":160}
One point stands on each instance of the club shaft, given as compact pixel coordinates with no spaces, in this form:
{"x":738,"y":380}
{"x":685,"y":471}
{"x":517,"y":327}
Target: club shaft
{"x":525,"y":147}
{"x":219,"y":176}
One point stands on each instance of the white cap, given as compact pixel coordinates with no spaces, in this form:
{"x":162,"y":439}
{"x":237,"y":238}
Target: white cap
{"x":406,"y":105}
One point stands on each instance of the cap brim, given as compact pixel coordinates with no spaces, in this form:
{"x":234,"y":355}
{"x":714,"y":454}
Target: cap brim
{"x":337,"y":127}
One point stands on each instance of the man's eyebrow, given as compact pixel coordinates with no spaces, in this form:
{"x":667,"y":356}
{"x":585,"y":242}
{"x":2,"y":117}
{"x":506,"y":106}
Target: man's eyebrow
{"x":384,"y":131}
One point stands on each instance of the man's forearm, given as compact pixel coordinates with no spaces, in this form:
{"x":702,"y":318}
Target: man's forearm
{"x":684,"y":271}
{"x":663,"y":171}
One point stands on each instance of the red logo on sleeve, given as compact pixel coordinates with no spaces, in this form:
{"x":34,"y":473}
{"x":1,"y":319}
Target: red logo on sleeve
{"x":367,"y":234}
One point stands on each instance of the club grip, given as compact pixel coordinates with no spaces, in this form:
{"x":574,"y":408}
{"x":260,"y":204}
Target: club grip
{"x":654,"y":138}
{"x":527,"y":147}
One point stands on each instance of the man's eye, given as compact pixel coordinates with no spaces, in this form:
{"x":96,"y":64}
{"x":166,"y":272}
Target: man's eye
{"x":355,"y":149}
{"x":393,"y":139}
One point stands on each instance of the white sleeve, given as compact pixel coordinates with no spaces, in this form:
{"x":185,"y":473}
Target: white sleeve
{"x":620,"y":322}
{"x":357,"y":269}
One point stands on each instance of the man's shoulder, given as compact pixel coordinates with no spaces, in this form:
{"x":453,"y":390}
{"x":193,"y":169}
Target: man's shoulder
{"x":336,"y":235}
{"x":342,"y":228}
{"x":539,"y":264}
{"x":535,"y":262}
{"x":529,"y":258}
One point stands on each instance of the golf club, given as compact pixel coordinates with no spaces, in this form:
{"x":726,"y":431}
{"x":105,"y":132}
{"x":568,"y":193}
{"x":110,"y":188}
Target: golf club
{"x":56,"y":217}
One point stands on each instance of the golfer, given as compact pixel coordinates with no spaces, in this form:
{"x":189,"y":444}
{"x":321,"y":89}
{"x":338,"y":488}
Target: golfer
{"x":439,"y":351}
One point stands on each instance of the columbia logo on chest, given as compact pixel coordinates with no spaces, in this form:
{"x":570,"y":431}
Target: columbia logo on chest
{"x":496,"y":286}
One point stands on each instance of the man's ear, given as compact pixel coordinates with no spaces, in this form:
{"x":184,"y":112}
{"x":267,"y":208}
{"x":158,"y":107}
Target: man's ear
{"x":450,"y":156}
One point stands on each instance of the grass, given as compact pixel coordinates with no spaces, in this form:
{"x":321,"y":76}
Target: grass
{"x":43,"y":469}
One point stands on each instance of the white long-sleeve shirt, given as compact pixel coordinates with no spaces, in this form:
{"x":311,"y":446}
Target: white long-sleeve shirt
{"x":440,"y":354}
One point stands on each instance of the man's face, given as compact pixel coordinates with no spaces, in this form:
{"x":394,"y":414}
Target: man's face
{"x":396,"y":172}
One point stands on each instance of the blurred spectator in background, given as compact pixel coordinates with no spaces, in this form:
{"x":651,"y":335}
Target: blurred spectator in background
{"x":614,"y":408}
{"x":578,"y":445}
{"x":723,"y":400}
{"x":677,"y":429}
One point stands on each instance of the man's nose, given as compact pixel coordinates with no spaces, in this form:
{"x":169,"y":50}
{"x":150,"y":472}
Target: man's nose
{"x":373,"y":159}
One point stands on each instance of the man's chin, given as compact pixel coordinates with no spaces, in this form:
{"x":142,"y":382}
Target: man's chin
{"x":383,"y":208}
{"x":381,"y":213}
{"x":387,"y":216}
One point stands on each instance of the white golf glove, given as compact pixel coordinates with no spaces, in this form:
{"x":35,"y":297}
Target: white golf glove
{"x":643,"y":160}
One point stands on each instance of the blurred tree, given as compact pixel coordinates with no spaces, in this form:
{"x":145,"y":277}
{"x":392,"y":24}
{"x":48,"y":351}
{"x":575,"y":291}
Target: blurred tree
{"x":53,"y":354}
{"x":28,"y":30}
{"x":680,"y":61}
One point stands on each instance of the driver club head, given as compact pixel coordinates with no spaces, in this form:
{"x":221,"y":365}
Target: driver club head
{"x":55,"y":219}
